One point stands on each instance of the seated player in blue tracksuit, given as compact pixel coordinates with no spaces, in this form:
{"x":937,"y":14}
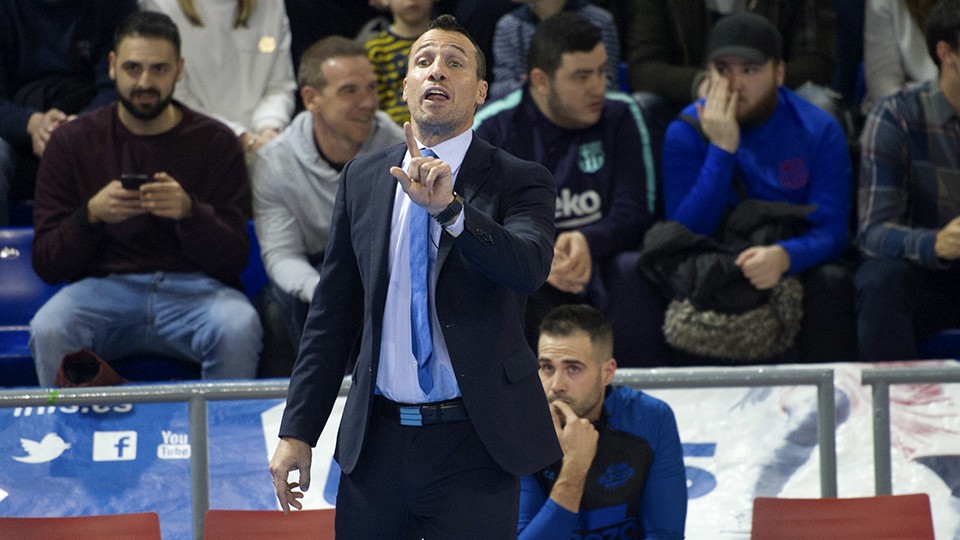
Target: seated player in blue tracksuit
{"x":622,"y":472}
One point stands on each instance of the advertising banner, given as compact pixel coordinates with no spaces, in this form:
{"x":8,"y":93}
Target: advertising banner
{"x":739,"y":443}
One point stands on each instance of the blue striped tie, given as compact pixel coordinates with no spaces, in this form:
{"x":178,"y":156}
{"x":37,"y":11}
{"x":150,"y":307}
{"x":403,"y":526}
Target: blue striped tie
{"x":419,"y":291}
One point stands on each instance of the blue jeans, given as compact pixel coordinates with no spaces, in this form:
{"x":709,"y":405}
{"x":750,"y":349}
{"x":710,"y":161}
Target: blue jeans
{"x":189,"y":317}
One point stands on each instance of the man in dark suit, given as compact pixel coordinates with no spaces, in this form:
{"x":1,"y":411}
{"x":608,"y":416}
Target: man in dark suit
{"x":437,"y":428}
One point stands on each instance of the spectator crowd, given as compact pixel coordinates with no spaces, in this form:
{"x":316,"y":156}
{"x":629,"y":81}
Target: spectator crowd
{"x":645,"y":112}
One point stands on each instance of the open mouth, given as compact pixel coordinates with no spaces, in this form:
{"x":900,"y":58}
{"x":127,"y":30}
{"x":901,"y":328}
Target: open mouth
{"x":436,"y":94}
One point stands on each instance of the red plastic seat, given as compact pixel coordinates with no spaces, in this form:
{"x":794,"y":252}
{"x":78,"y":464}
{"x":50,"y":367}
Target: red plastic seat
{"x":138,"y":526}
{"x":883,"y":517}
{"x":268,"y":524}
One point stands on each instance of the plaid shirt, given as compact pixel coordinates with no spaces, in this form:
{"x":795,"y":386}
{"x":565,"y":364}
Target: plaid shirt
{"x":909,"y":175}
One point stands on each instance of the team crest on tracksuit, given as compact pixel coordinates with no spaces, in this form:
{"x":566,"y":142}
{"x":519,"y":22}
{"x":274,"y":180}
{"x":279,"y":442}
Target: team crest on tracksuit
{"x":591,"y":157}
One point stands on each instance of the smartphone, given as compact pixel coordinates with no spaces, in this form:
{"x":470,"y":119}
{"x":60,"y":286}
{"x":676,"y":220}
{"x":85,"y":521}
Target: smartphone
{"x":133,"y":181}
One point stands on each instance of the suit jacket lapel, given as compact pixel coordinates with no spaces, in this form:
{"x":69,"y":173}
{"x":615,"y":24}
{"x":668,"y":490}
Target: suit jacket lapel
{"x":381,"y":197}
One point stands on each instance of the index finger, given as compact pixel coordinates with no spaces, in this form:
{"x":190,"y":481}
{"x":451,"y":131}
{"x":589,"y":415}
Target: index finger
{"x":565,"y":410}
{"x":411,"y":142}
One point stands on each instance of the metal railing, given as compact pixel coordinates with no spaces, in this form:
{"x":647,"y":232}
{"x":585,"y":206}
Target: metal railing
{"x":881,"y":379}
{"x":197,"y":394}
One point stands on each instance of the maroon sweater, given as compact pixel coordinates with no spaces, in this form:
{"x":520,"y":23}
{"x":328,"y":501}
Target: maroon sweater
{"x":84,"y":155}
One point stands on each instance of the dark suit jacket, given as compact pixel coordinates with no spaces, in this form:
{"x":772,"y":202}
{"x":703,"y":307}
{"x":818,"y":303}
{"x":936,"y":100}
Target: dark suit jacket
{"x":503,"y":254}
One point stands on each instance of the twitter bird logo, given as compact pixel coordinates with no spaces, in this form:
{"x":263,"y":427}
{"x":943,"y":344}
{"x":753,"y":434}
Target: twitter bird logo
{"x":48,"y":449}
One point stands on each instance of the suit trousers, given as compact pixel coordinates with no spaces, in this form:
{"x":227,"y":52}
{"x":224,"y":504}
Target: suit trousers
{"x":431,"y":482}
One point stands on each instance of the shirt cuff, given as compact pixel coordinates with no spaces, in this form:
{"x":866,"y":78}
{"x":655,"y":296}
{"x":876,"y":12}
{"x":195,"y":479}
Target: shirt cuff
{"x":455,"y":228}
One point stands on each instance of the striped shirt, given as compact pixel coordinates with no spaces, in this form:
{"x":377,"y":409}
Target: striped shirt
{"x":388,"y":53}
{"x":909,"y":174}
{"x":514,"y":32}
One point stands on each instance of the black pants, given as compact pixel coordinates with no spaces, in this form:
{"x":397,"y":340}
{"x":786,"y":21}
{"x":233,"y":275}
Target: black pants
{"x":898,"y":303}
{"x":431,"y":482}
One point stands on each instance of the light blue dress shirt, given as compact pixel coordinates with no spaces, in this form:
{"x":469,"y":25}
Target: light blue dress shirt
{"x":397,"y":375}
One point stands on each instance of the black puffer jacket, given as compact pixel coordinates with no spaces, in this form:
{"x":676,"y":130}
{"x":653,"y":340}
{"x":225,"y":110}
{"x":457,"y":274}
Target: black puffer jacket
{"x":688,"y":265}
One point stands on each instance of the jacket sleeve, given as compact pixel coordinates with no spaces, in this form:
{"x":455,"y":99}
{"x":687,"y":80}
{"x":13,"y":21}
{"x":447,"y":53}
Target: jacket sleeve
{"x":281,"y":244}
{"x":329,"y":333}
{"x":277,"y":103}
{"x":831,"y":190}
{"x":664,"y":505}
{"x":697,"y":178}
{"x":882,"y":199}
{"x":516,"y":252}
{"x":540,"y":517}
{"x":64,"y":242}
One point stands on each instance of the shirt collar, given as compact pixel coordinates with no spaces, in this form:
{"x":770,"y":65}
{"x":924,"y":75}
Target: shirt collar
{"x":451,"y":150}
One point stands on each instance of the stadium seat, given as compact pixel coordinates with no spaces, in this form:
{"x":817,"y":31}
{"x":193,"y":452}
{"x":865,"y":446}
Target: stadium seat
{"x":883,"y":517}
{"x":943,"y":344}
{"x":139,"y":526}
{"x":268,"y":524}
{"x":22,"y":293}
{"x":254,"y":275}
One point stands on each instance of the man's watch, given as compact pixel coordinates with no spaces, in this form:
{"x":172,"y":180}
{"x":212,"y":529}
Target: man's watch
{"x":451,"y":212}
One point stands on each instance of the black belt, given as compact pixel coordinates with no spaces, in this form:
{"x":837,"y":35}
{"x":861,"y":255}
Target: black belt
{"x":422,"y":414}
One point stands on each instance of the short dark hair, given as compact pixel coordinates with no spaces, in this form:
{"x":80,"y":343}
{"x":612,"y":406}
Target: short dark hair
{"x":566,"y":319}
{"x":147,"y":24}
{"x":943,"y":24}
{"x":449,"y":23}
{"x":564,"y":32}
{"x":310,"y":72}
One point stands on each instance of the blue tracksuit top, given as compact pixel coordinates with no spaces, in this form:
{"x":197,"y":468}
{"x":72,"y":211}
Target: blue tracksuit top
{"x":604,"y":173}
{"x":797,"y":156}
{"x":646,"y":431}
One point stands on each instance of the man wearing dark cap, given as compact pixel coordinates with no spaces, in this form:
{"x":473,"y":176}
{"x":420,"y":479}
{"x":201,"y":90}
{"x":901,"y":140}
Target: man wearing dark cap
{"x":753,"y":138}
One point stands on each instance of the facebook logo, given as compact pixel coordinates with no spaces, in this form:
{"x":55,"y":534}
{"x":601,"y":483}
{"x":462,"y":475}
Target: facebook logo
{"x":114,"y":445}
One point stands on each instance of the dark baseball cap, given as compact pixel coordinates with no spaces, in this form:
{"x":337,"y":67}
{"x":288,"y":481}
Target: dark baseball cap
{"x":747,"y":35}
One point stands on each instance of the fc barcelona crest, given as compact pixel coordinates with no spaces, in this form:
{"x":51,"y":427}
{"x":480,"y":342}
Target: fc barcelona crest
{"x":591,"y":158}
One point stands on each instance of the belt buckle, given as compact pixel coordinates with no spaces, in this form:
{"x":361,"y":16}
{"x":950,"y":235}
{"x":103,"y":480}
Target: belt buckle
{"x":410,"y":416}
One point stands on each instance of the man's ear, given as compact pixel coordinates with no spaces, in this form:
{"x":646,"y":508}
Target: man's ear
{"x":781,"y":70}
{"x":944,"y":50}
{"x":112,"y":60}
{"x":539,"y":80}
{"x":607,"y":370}
{"x":307,"y":94}
{"x":481,"y":93}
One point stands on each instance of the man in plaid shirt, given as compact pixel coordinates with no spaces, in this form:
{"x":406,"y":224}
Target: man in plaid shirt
{"x":909,"y":206}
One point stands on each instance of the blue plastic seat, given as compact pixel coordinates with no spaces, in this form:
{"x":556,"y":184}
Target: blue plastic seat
{"x":22,"y":292}
{"x":943,"y":344}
